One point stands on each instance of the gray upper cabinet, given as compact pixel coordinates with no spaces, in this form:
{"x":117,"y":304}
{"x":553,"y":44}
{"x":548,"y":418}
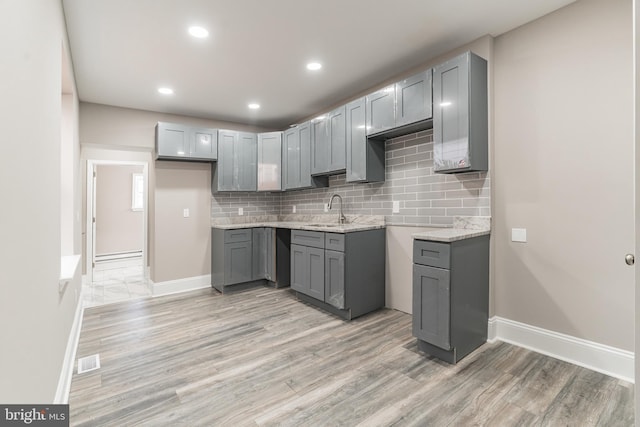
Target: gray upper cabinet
{"x":181,"y":142}
{"x":380,"y":111}
{"x":364,"y":158}
{"x":328,"y":142}
{"x":319,"y":145}
{"x":401,"y":108}
{"x":296,"y":159}
{"x":460,"y":126}
{"x":413,"y":99}
{"x":270,"y":161}
{"x":336,"y":149}
{"x":237,"y":167}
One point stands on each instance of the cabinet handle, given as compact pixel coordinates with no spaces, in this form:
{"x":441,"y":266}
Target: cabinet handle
{"x":630,"y":259}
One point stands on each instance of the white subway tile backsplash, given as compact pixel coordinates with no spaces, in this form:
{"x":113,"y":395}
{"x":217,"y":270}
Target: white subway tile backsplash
{"x":425,"y":198}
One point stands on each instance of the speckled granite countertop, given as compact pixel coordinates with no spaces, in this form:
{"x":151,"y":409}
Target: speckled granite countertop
{"x":463,"y":228}
{"x":326,"y":223}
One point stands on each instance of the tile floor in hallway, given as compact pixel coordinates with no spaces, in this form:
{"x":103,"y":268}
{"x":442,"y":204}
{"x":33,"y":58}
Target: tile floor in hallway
{"x":116,"y":281}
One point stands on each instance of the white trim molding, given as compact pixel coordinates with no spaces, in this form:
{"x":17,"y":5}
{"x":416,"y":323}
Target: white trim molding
{"x":180,"y":285}
{"x":602,"y":358}
{"x":64,"y":381}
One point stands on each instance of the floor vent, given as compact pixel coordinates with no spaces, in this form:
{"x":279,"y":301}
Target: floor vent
{"x":89,"y":363}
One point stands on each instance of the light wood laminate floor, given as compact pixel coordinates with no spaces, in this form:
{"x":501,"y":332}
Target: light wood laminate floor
{"x":261,"y":357}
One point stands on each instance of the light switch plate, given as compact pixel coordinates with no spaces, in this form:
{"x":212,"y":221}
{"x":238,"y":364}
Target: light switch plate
{"x":326,"y":207}
{"x":185,"y":213}
{"x":396,"y":206}
{"x":240,"y":211}
{"x":519,"y":235}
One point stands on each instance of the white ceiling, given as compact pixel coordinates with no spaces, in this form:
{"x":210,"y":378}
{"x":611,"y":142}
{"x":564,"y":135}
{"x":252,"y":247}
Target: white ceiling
{"x":123,"y":50}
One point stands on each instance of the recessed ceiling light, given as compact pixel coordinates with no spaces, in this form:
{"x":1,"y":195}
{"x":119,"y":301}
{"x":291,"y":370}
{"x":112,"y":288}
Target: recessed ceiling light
{"x":314,"y":66}
{"x":198,"y":32}
{"x":165,"y":90}
{"x":254,"y":106}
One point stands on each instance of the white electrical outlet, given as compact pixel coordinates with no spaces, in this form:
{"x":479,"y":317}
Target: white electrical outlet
{"x":326,"y":207}
{"x":240,"y":211}
{"x":294,"y":208}
{"x":396,"y":206}
{"x":185,"y":213}
{"x":519,"y":235}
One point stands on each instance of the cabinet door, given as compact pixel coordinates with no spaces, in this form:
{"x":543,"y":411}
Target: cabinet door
{"x":381,"y":110}
{"x":431,"y":305}
{"x":290,"y":159}
{"x":451,"y":114}
{"x":316,"y":273}
{"x":307,"y":271}
{"x":263,"y":249}
{"x":246,"y":162}
{"x":172,"y":140}
{"x":203,"y":143}
{"x":304,"y":138}
{"x":336,"y":148}
{"x":259,"y":259}
{"x":237,"y":262}
{"x":270,"y":161}
{"x":319,"y":145}
{"x":299,"y":269}
{"x":227,"y":146}
{"x":356,"y":140}
{"x":334,"y":278}
{"x":413,"y":99}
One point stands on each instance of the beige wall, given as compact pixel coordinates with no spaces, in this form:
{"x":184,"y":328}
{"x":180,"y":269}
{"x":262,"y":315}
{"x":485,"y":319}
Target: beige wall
{"x":123,"y":134}
{"x":182,"y":245}
{"x":35,"y":317}
{"x":118,"y":228}
{"x":564,"y":171}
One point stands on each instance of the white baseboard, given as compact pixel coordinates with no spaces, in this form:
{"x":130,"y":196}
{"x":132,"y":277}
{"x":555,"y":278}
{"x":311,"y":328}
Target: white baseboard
{"x":180,"y":285}
{"x":597,"y":357}
{"x":64,"y":381}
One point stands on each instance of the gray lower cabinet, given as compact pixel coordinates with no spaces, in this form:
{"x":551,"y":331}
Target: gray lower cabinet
{"x":343,"y":273}
{"x":365,"y":159}
{"x":236,"y":169}
{"x":451,"y":296}
{"x":244,"y":255}
{"x":460,"y":126}
{"x":180,"y":142}
{"x":270,"y":161}
{"x":307,"y":270}
{"x":296,"y":159}
{"x":263,"y":243}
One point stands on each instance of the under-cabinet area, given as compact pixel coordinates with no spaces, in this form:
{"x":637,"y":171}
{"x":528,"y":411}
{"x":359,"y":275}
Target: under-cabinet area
{"x":341,"y":272}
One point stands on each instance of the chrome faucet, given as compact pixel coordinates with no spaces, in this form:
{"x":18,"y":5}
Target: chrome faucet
{"x":341,"y":217}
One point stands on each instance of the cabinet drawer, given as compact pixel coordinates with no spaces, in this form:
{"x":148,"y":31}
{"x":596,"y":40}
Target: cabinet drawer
{"x":239,"y":235}
{"x":433,"y":254}
{"x":315,"y":239}
{"x":334,"y":241}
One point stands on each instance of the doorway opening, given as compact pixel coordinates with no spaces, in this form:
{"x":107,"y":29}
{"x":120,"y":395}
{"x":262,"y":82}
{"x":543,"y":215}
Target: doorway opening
{"x":117,"y":200}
